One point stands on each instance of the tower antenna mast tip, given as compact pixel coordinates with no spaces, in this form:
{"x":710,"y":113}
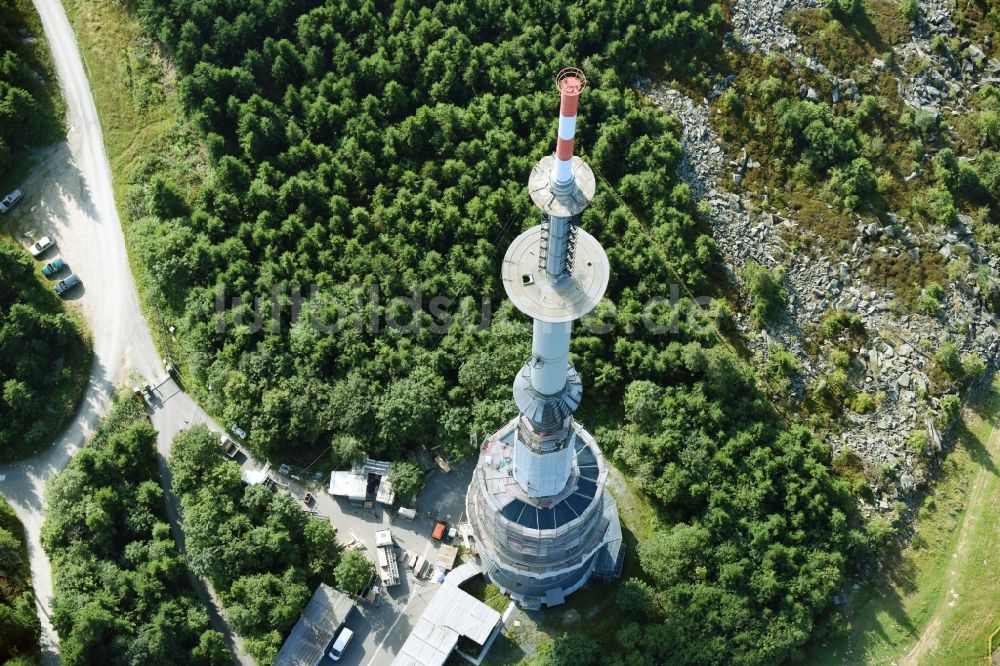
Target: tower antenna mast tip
{"x":570,"y":81}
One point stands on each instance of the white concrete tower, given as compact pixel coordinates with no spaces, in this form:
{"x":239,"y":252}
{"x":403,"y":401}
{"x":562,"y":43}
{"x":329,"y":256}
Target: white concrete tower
{"x":537,"y":502}
{"x":555,"y":273}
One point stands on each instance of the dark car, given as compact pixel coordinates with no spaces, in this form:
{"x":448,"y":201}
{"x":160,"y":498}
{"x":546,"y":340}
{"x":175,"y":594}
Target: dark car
{"x":64,"y":286}
{"x":53,"y":267}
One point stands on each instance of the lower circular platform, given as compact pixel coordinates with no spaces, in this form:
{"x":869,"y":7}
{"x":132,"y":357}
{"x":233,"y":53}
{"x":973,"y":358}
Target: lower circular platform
{"x":539,"y":550}
{"x":534,"y":293}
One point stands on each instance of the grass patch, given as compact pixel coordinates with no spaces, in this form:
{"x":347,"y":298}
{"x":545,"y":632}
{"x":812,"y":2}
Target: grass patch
{"x":888,"y":21}
{"x":638,"y":518}
{"x":487,"y":592}
{"x":904,"y":275}
{"x":953,"y":548}
{"x":109,"y":37}
{"x":845,"y":46}
{"x":977,"y":19}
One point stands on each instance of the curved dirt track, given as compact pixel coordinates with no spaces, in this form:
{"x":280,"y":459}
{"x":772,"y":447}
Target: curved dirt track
{"x":70,"y":197}
{"x":922,"y":652}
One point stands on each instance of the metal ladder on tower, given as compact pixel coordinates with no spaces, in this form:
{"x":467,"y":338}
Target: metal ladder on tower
{"x":571,"y":244}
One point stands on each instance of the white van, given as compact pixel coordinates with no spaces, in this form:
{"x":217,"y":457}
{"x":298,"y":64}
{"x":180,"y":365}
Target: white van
{"x":339,"y":645}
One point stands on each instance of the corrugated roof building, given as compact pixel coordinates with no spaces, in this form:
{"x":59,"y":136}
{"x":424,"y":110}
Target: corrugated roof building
{"x":323,"y":616}
{"x":451,"y":613}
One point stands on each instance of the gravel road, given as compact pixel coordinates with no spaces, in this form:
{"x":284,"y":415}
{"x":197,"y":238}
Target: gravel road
{"x":70,"y":197}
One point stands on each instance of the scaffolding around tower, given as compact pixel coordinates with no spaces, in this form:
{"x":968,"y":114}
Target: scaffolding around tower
{"x":537,"y":502}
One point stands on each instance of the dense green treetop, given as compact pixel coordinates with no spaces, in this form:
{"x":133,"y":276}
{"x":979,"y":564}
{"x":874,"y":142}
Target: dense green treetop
{"x":353,"y":571}
{"x":357,"y":145}
{"x":29,"y":107}
{"x":261,"y":551}
{"x":122,"y":593}
{"x":759,"y":531}
{"x":407,"y":480}
{"x":43,"y":357}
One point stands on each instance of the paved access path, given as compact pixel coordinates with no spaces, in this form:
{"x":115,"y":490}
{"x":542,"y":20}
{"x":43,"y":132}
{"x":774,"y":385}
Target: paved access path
{"x":171,"y":410}
{"x":379,"y":631}
{"x":70,"y":197}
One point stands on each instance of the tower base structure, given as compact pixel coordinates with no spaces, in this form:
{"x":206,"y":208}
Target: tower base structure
{"x":539,"y":550}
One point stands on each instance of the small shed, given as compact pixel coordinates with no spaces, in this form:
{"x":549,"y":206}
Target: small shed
{"x":322,"y":618}
{"x":446,"y":557}
{"x":365,"y":481}
{"x":385,"y":494}
{"x":349,"y":485}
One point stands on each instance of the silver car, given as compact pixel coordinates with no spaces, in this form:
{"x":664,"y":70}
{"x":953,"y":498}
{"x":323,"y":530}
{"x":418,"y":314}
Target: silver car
{"x":8,"y":201}
{"x":43,"y":244}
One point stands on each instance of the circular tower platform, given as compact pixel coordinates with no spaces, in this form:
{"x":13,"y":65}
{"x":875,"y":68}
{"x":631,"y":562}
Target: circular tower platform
{"x":554,"y":200}
{"x":538,"y":550}
{"x":533,"y":292}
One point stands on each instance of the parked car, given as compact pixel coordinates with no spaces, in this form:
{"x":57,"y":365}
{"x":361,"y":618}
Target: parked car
{"x":65,"y":285}
{"x":8,"y":201}
{"x":229,"y":447}
{"x":439,"y":531}
{"x":339,"y":645}
{"x":43,"y":244}
{"x":53,"y":267}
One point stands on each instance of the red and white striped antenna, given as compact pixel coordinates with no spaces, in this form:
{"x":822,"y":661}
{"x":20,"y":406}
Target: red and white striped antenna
{"x":561,"y":184}
{"x":557,"y":272}
{"x":570,"y":82}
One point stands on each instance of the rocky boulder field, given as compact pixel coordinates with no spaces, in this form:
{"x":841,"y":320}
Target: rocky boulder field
{"x":896,"y":359}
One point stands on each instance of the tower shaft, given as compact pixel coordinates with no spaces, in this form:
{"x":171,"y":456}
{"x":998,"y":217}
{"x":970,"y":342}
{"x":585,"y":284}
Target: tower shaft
{"x":559,"y":255}
{"x":543,"y":460}
{"x":550,"y":354}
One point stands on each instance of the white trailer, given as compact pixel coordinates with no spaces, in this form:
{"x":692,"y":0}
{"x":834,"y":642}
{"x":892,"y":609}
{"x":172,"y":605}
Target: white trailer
{"x":385,"y":550}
